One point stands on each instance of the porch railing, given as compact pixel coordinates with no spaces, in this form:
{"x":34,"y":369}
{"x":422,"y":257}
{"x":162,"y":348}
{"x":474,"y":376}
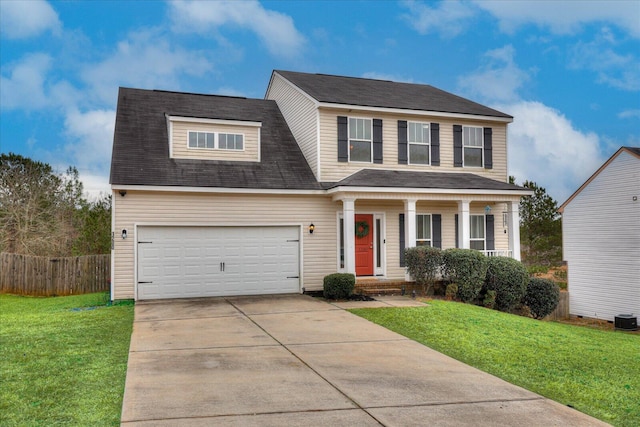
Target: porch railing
{"x":499,"y":252}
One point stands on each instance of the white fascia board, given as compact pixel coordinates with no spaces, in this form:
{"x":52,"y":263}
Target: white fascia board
{"x":416,"y":112}
{"x":176,"y":189}
{"x":346,"y":189}
{"x":213,"y":121}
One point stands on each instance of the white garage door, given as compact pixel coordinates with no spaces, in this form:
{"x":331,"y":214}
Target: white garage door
{"x":186,"y":262}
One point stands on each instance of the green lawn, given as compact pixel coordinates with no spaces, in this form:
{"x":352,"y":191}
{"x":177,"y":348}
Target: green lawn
{"x":63,"y":360}
{"x":597,"y":372}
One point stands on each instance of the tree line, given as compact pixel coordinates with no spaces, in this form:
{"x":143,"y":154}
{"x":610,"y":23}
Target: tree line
{"x":44,"y":213}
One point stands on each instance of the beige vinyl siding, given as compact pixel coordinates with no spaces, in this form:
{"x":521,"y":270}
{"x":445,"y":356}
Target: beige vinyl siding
{"x":601,"y":242}
{"x":332,"y":170}
{"x":163,"y":208}
{"x":181,"y":150}
{"x":301,"y":115}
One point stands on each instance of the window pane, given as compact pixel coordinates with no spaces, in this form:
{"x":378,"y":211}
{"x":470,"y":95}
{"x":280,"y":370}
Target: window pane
{"x":193,"y":139}
{"x":477,"y":245}
{"x":201,"y":140}
{"x":360,"y":151}
{"x":239,"y":142}
{"x":378,"y":243}
{"x":222,"y":141}
{"x":423,"y":226}
{"x":419,"y":154}
{"x":352,"y":128}
{"x":367,"y":128}
{"x":477,"y":226}
{"x":341,"y":243}
{"x":210,"y":137}
{"x":472,"y":156}
{"x":423,"y":243}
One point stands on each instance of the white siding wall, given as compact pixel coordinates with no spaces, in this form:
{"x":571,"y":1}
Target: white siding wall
{"x":301,"y":115}
{"x":601,"y":241}
{"x":332,"y":170}
{"x":181,"y":149}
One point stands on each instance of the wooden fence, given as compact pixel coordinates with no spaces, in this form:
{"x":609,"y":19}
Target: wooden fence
{"x":562,"y":310}
{"x":44,"y":276}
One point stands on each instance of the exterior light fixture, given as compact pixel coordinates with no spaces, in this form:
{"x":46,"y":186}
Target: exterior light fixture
{"x":124,"y":233}
{"x":311,"y":228}
{"x":123,"y":193}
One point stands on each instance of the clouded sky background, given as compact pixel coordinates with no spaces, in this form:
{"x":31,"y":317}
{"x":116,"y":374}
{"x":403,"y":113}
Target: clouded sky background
{"x":569,"y":72}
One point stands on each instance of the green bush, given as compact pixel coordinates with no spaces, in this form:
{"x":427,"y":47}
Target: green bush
{"x":542,"y":297}
{"x":489,"y":300}
{"x":339,"y":285}
{"x":423,"y":264}
{"x":509,"y":278}
{"x":467,"y":268}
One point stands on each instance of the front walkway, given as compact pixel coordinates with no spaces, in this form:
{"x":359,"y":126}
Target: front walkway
{"x":297,"y":361}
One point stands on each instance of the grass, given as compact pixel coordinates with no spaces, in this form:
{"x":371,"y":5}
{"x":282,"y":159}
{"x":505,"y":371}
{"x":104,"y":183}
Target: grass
{"x":597,"y":372}
{"x":63,"y":360}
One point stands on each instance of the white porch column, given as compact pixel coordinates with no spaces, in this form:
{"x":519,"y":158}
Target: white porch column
{"x":464,"y":225}
{"x":348,"y":215}
{"x":410,"y":223}
{"x":513,"y":210}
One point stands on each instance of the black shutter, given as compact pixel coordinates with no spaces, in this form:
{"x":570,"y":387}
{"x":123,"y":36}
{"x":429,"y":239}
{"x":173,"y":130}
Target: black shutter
{"x":488,"y":148}
{"x":457,"y":146}
{"x":436,"y":222}
{"x":435,"y":144}
{"x":343,"y":140}
{"x":402,"y":243}
{"x":377,"y":141}
{"x":402,"y":142}
{"x":457,"y":245}
{"x":490,"y":237}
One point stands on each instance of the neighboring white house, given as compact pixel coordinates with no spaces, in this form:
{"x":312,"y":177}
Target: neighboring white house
{"x":601,"y":239}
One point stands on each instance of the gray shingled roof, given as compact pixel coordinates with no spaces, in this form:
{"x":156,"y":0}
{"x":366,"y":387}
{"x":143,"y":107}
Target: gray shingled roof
{"x":412,"y":179}
{"x":384,"y":94}
{"x":141,"y":149}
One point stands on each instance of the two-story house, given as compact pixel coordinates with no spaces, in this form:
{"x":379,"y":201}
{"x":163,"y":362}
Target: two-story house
{"x":217,"y":195}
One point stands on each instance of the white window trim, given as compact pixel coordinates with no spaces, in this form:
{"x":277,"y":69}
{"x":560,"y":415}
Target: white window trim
{"x":481,"y":148}
{"x":430,"y":239}
{"x":360,"y":140}
{"x":484,"y":231}
{"x":216,"y":146}
{"x":428,"y":144}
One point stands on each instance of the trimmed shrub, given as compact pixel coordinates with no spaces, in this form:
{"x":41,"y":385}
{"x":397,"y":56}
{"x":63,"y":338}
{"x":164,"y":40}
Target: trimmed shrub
{"x":452,"y":291}
{"x":467,"y":268}
{"x":542,"y":297}
{"x":423,"y":264}
{"x":509,"y":278}
{"x":339,"y":285}
{"x":489,"y":300}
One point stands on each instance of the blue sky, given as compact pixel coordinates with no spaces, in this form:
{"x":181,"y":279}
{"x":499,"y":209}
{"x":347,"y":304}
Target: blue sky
{"x":569,"y":72}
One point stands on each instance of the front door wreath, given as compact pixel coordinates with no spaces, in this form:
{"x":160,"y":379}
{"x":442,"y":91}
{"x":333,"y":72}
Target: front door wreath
{"x":362,"y":229}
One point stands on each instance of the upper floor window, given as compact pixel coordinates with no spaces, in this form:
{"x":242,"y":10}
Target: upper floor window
{"x":423,"y":230}
{"x":477,"y":225}
{"x":419,"y":143}
{"x":360,"y":140}
{"x":472,"y":145}
{"x":212,"y":140}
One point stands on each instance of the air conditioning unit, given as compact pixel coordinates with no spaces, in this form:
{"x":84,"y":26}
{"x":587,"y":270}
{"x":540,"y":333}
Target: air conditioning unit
{"x":626,"y":322}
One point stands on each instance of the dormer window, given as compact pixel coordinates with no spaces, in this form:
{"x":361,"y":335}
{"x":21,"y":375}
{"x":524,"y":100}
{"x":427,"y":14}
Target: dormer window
{"x":213,"y":141}
{"x":360,"y":141}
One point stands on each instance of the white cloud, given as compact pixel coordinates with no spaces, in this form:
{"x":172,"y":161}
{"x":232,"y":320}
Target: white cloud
{"x":498,"y":79}
{"x":24,"y":87}
{"x":276,"y":30}
{"x":446,"y":18}
{"x":545,"y":147}
{"x":564,"y":17}
{"x":629,"y":114}
{"x":23,"y":19}
{"x":145,"y":60}
{"x":598,"y":55}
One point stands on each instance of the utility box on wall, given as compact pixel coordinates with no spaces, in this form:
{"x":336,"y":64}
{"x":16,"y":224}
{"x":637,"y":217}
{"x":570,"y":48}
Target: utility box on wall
{"x":626,"y":322}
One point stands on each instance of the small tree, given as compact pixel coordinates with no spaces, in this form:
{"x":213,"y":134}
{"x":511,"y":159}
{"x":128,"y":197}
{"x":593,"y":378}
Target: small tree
{"x":423,"y":264}
{"x":508,"y":277}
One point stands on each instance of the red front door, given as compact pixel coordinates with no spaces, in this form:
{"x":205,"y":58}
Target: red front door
{"x":364,"y":245}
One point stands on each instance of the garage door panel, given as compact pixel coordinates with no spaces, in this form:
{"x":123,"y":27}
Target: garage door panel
{"x":183,"y":262}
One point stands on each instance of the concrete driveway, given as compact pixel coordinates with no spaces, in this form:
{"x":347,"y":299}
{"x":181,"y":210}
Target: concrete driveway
{"x":294,"y":360}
